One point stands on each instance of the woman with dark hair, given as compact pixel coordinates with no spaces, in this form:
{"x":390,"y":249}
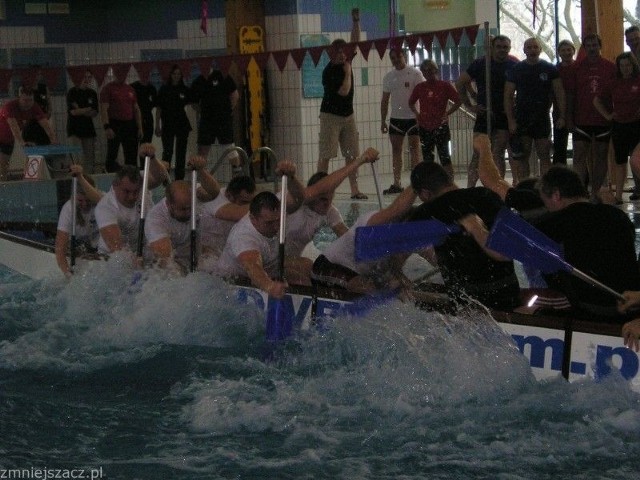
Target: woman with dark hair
{"x":619,"y":103}
{"x":172,"y":124}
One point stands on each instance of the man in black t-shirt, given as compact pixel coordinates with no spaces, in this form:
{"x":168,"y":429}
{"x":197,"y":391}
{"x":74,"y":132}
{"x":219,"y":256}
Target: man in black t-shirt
{"x":147,"y":96}
{"x":597,"y":239}
{"x":337,"y":120}
{"x":467,"y":266}
{"x":216,"y":96}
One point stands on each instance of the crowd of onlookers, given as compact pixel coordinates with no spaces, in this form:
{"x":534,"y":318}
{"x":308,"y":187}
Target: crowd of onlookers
{"x":126,"y":114}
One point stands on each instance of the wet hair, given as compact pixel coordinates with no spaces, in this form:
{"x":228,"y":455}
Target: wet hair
{"x":568,"y":43}
{"x":240,"y":183}
{"x":634,"y":63}
{"x":316,"y":177}
{"x":429,"y":176}
{"x":564,"y":180}
{"x":591,"y":36}
{"x":262,"y":200}
{"x":128,"y":171}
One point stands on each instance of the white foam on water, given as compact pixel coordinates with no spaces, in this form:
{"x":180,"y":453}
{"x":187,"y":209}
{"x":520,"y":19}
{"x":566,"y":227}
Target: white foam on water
{"x":107,"y":314}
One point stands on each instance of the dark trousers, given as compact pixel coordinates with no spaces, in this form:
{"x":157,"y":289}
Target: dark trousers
{"x":126,"y":134}
{"x":180,"y":139}
{"x":438,"y":138}
{"x":560,"y":141}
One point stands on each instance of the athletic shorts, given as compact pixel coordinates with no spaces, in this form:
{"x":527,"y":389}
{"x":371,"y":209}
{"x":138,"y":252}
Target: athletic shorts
{"x":498,"y":122}
{"x":583,"y":133}
{"x":327,"y":273}
{"x":336,"y":130}
{"x":209,"y":132}
{"x":625,"y":137}
{"x":402,"y":126}
{"x":535,"y":126}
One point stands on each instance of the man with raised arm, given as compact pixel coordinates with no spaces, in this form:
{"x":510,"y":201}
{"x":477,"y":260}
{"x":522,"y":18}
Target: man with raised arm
{"x":337,"y":118}
{"x":168,"y":227}
{"x":118,"y":212}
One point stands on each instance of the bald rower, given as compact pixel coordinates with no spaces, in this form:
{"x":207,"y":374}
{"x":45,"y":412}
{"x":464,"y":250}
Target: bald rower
{"x":168,"y":227}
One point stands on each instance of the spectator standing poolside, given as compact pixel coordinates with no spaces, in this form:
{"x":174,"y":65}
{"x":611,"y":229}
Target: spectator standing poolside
{"x":337,"y":118}
{"x":82,"y":107}
{"x":501,"y":62}
{"x":14,"y":116}
{"x":172,"y":124}
{"x":397,"y":86}
{"x":122,"y":122}
{"x":536,"y":82}
{"x":434,"y":96}
{"x":216,"y":97}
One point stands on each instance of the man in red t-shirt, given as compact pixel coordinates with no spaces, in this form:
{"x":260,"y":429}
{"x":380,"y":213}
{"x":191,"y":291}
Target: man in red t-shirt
{"x":434,"y":96}
{"x":122,"y":122}
{"x":15,"y":115}
{"x":590,"y":129}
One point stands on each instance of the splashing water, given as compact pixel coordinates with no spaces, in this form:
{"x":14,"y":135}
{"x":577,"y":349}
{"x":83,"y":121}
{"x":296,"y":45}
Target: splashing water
{"x":169,"y":378}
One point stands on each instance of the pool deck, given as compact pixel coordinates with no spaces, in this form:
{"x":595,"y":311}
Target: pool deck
{"x":367,"y":186}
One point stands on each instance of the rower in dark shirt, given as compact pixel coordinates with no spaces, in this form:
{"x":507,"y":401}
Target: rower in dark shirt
{"x":467,"y":267}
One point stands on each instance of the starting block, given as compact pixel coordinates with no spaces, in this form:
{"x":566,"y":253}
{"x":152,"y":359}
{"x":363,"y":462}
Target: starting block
{"x":41,"y":166}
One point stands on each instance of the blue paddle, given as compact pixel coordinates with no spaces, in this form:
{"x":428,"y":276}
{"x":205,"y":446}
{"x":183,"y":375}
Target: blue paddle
{"x":279,"y":322}
{"x":374,"y":242}
{"x":514,"y":237}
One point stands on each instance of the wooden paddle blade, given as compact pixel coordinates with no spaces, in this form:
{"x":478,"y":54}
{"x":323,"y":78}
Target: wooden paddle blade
{"x":374,"y":242}
{"x":279,"y":320}
{"x":514,"y":237}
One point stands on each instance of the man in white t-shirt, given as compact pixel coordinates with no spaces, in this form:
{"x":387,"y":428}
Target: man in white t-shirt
{"x":168,"y":227}
{"x":253,"y":244}
{"x":218,"y":216}
{"x":86,"y":233}
{"x":397,"y":86}
{"x":118,"y":212}
{"x":318,"y":211}
{"x":337,"y":266}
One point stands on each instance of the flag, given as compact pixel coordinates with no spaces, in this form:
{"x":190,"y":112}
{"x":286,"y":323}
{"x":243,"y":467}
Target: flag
{"x":204,"y":13}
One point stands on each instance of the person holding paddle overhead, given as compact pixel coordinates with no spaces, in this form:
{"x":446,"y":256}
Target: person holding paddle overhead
{"x":252,"y":248}
{"x":467,"y":266}
{"x":117,"y":213}
{"x":86,"y":228}
{"x":167,"y":228}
